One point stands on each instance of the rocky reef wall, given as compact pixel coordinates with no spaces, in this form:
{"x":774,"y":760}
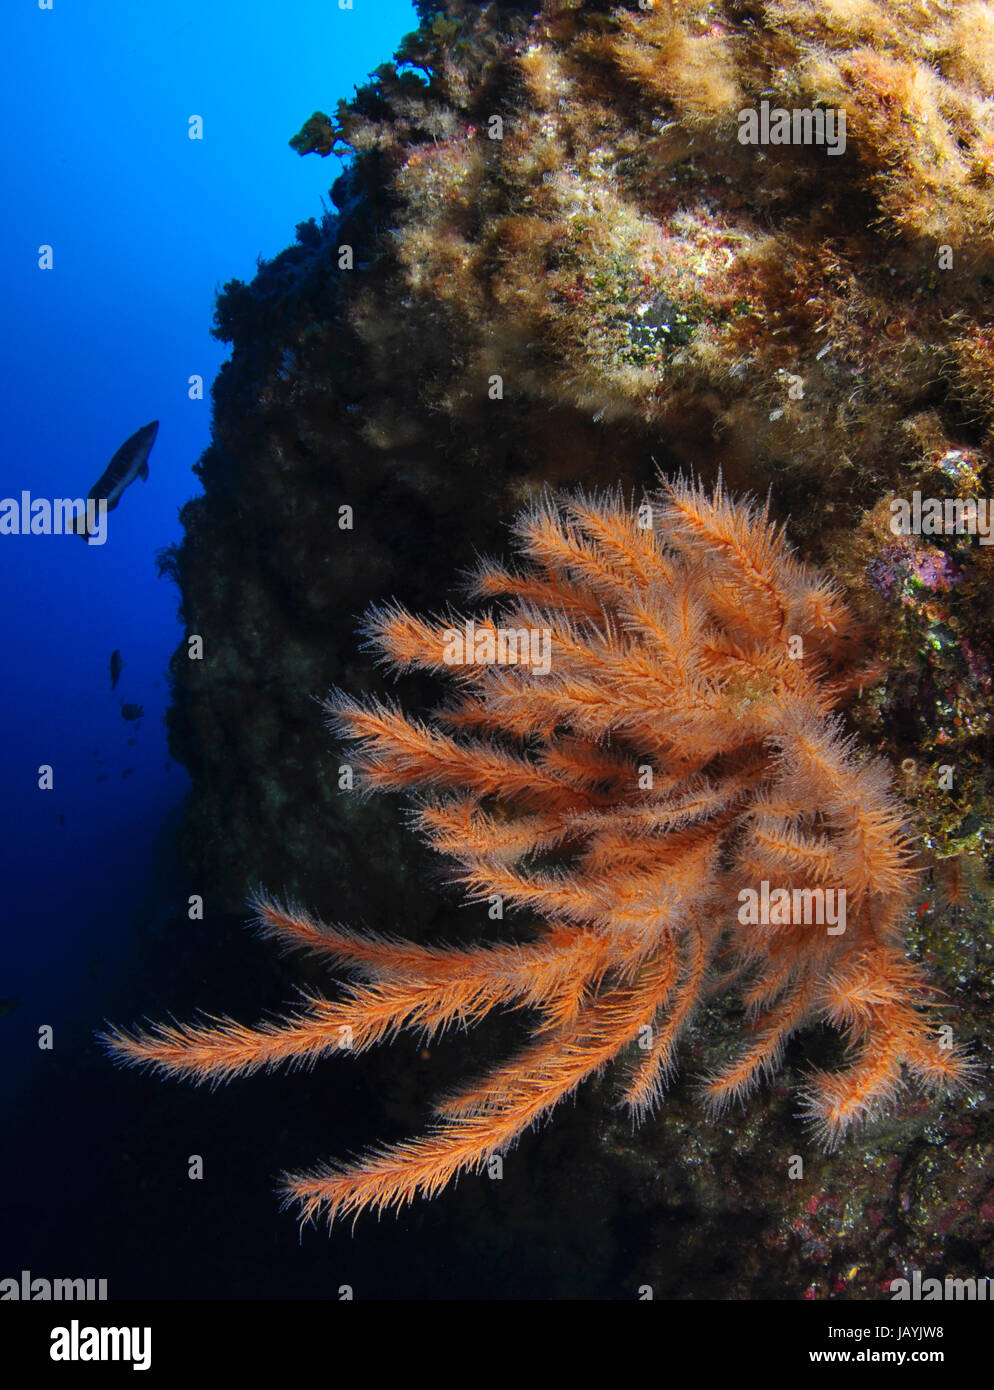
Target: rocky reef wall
{"x":554,"y":260}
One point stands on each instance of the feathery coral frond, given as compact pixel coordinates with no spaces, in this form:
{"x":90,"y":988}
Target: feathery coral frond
{"x":661,"y":779}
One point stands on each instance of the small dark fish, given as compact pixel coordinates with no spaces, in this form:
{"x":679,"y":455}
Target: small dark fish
{"x":131,"y":712}
{"x":62,"y":818}
{"x":116,"y":667}
{"x":132,"y":741}
{"x":130,"y":462}
{"x":127,"y":772}
{"x":101,"y":778}
{"x":7,"y":1006}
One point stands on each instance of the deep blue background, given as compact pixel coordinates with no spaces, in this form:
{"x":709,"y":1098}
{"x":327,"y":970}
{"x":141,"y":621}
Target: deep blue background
{"x":145,"y":224}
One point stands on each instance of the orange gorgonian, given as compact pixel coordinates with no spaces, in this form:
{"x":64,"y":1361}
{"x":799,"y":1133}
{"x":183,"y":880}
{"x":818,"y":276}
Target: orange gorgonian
{"x":643,"y":735}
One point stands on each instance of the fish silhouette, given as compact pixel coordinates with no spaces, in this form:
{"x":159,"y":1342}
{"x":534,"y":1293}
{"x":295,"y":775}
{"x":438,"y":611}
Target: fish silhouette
{"x":130,"y":462}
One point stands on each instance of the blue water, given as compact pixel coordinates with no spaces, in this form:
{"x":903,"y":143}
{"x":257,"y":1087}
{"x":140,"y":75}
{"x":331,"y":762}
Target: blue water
{"x":144,"y":225}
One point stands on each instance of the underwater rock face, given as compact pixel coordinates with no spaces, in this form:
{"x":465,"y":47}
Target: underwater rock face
{"x":557,"y":261}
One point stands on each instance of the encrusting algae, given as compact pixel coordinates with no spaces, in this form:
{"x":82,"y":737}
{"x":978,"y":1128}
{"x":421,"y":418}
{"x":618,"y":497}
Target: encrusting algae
{"x":678,"y":746}
{"x":556,"y":195}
